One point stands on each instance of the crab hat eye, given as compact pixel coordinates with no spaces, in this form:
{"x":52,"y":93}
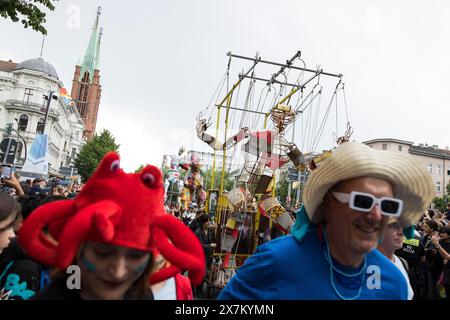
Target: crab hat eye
{"x":115,"y":165}
{"x":148,"y":179}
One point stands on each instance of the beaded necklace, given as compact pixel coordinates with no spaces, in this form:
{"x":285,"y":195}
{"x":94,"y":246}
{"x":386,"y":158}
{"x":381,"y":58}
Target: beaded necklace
{"x":361,"y":273}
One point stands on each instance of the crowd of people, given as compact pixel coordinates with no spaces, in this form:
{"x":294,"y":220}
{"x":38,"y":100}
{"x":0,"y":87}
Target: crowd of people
{"x":363,"y":231}
{"x":427,"y":256}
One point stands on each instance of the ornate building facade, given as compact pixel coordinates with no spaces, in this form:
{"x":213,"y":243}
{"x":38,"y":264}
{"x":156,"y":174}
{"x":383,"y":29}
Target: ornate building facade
{"x":23,"y":88}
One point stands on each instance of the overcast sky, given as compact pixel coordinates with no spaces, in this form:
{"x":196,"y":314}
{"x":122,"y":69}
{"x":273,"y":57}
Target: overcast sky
{"x":161,"y":61}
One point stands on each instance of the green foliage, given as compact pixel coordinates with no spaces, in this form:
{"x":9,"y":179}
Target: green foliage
{"x":448,"y":188}
{"x":30,"y":14}
{"x":139,"y":168}
{"x":440,"y":203}
{"x":228,"y":181}
{"x":282,"y":188}
{"x":92,"y":153}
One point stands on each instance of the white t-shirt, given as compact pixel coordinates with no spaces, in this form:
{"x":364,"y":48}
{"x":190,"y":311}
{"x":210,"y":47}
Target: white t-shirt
{"x":168,"y":292}
{"x":399,"y":265}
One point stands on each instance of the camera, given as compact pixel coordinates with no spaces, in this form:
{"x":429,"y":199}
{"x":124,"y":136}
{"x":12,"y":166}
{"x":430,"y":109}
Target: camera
{"x":6,"y":171}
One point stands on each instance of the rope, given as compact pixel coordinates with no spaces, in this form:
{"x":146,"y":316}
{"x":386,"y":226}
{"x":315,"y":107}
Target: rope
{"x":316,"y":120}
{"x":322,"y":125}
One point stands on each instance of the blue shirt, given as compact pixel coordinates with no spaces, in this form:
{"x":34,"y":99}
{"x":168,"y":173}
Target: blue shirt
{"x":290,"y":270}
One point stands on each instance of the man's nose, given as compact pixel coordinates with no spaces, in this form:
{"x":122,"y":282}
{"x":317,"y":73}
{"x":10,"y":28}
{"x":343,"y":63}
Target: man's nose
{"x":375,"y":213}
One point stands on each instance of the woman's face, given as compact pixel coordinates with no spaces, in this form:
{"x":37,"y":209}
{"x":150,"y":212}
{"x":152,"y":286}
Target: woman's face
{"x":109,"y":271}
{"x":7,"y":230}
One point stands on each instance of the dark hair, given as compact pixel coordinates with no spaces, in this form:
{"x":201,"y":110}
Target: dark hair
{"x":39,"y":179}
{"x":51,"y":198}
{"x":29,"y":203}
{"x":431,"y":213}
{"x":25,"y":187}
{"x":432,"y":224}
{"x":8,"y":206}
{"x":202,"y":218}
{"x":445,"y":230}
{"x":32,"y":202}
{"x":140,"y":289}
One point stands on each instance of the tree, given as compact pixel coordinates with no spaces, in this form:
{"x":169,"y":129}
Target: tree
{"x":282,"y":188}
{"x":439,"y":203}
{"x":228,"y":181}
{"x":92,"y":153}
{"x":31,"y":15}
{"x":140,"y":168}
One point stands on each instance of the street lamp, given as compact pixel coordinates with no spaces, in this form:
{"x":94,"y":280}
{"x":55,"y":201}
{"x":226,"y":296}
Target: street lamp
{"x":49,"y":99}
{"x":20,"y":137}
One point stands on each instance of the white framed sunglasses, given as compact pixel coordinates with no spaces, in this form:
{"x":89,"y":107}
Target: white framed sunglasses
{"x":361,"y":201}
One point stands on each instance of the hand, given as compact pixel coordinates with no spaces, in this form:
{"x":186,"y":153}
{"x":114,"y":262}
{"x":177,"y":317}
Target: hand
{"x":12,"y":181}
{"x":213,"y":245}
{"x":435,"y":239}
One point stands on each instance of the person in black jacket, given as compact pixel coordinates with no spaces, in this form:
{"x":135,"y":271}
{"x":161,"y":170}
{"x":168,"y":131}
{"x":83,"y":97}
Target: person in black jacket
{"x":205,"y":236}
{"x":430,"y":261}
{"x":442,"y":244}
{"x":20,"y":276}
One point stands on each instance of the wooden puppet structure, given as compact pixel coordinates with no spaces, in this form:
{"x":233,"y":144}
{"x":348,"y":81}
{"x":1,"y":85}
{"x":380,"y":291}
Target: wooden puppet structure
{"x":260,"y":148}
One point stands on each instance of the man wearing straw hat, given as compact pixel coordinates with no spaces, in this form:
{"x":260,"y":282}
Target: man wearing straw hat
{"x":330,"y":254}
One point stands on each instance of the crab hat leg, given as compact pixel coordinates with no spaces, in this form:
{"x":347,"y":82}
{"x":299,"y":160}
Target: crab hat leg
{"x":31,"y":237}
{"x":99,"y":218}
{"x":184,"y":253}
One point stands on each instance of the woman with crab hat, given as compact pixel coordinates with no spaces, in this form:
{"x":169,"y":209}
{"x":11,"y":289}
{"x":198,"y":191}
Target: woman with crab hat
{"x":102,"y":242}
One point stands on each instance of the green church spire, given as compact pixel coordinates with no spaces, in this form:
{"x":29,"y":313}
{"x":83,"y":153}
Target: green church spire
{"x":92,"y":55}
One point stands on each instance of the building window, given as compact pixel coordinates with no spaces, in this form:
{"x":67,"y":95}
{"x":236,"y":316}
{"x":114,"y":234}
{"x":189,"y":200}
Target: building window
{"x":73,"y":154}
{"x":28,"y":94}
{"x":400,"y":147}
{"x":61,"y":164}
{"x":439,"y":169}
{"x":438,"y":186}
{"x":65,"y":145}
{"x":448,"y":172}
{"x":23,"y":122}
{"x":40,"y":126}
{"x":384,"y":146}
{"x":430,"y":168}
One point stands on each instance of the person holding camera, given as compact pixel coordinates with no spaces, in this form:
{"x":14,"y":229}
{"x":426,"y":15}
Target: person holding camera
{"x":9,"y":182}
{"x":442,"y":244}
{"x":430,"y":262}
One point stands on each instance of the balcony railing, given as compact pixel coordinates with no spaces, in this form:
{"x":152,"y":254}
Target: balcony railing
{"x":31,"y":106}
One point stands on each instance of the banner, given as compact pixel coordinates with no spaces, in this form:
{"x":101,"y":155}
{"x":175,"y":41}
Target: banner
{"x":37,"y":159}
{"x":66,"y":98}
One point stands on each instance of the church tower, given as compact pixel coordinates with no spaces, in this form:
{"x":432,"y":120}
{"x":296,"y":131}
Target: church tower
{"x":86,"y":88}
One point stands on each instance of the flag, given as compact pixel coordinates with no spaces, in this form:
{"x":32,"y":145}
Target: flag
{"x":66,"y":98}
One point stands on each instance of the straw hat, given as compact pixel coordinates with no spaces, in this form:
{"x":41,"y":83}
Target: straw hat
{"x":410,"y":180}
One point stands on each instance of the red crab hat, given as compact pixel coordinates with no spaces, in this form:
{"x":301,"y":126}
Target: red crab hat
{"x":114,"y":208}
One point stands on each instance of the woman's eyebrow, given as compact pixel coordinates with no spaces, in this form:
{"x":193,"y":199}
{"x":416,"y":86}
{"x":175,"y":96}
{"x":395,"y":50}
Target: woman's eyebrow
{"x":11,"y":224}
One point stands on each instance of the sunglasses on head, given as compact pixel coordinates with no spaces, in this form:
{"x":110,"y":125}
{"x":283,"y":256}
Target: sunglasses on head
{"x":365,"y":202}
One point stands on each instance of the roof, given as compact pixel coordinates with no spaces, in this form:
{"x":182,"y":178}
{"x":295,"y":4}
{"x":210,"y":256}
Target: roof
{"x":91,"y":58}
{"x":430,"y":151}
{"x":38,"y":64}
{"x":7,"y":66}
{"x":388,"y":140}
